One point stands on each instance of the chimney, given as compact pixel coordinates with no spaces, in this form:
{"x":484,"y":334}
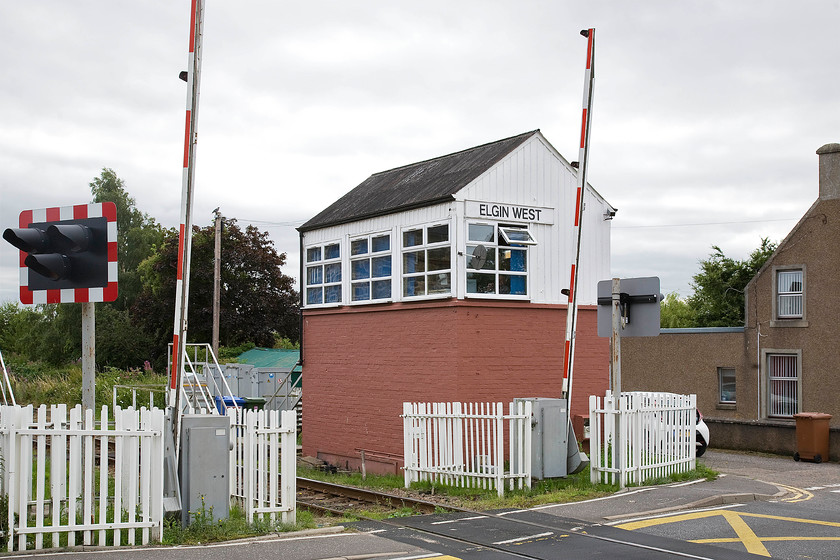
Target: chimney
{"x":829,"y":171}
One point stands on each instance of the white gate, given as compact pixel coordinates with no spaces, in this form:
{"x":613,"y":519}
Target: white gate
{"x":462,"y":444}
{"x":79,"y":481}
{"x":263,"y":462}
{"x":641,"y":436}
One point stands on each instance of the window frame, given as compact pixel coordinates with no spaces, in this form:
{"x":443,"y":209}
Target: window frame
{"x":369,"y":256}
{"x":720,"y":372}
{"x":778,"y":320}
{"x":500,"y":242}
{"x":768,"y":378}
{"x":425,"y":247}
{"x":323,"y":262}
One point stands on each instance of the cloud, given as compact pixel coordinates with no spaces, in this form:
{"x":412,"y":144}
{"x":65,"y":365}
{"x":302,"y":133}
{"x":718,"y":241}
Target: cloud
{"x":705,"y":112}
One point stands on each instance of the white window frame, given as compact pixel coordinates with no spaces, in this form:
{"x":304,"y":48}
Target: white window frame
{"x":780,"y":294}
{"x":499,"y":242}
{"x":370,"y":255}
{"x":790,"y":362}
{"x":322,"y":262}
{"x":426,"y":274}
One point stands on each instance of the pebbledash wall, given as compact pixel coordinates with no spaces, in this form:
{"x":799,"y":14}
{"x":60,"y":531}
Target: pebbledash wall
{"x":752,"y":380}
{"x":441,"y":281}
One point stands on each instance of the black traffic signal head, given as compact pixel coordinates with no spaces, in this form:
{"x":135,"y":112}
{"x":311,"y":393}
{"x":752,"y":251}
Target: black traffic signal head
{"x":72,"y":259}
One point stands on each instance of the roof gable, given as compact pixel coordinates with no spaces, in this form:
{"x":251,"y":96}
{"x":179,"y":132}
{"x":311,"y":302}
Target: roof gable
{"x":415,"y":185}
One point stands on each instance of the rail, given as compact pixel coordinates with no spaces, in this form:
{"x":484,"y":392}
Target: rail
{"x":318,"y":489}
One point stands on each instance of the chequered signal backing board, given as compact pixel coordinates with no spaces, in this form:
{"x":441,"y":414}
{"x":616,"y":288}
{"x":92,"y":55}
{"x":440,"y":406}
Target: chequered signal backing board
{"x":108,"y":210}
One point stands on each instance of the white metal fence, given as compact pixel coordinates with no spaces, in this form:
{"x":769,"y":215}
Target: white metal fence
{"x":462,"y":444}
{"x":73,"y":480}
{"x":263,"y":463}
{"x":641,"y":436}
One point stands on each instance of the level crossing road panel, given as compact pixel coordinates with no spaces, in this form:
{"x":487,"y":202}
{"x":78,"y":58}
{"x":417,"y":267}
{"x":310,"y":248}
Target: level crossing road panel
{"x":528,"y":534}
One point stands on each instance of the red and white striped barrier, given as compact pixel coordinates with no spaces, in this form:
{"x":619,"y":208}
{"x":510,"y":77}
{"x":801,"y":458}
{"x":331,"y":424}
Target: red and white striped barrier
{"x":571,"y":314}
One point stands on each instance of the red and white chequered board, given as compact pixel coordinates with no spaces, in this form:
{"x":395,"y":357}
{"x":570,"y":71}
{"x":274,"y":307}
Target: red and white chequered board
{"x":108,"y":210}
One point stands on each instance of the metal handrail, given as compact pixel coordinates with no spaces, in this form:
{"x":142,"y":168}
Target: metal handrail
{"x":286,"y":383}
{"x":209,"y":362}
{"x":6,"y":384}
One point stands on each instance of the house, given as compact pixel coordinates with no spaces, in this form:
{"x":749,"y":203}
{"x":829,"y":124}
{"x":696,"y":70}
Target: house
{"x":750,"y":381}
{"x":442,"y":281}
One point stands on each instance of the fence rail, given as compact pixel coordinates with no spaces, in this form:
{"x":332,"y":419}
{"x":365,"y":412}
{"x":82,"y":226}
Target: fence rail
{"x":263,"y":463}
{"x":641,"y":436}
{"x":463,"y":444}
{"x":62,"y":484}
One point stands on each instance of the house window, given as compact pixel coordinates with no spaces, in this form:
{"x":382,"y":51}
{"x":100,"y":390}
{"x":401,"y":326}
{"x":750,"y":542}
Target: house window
{"x":426,"y":261}
{"x":783,"y":385}
{"x":370,"y":268}
{"x":726,"y":385}
{"x":323,"y":274}
{"x":789,"y":291}
{"x":497,"y":259}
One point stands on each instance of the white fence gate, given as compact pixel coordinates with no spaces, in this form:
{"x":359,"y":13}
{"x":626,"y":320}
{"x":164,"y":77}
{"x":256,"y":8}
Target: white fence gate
{"x":641,"y":436}
{"x":263,"y":463}
{"x":62,"y":482}
{"x":462,"y":444}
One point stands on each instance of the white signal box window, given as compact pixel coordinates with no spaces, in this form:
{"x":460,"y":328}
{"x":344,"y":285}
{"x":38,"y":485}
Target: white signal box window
{"x":323,"y":274}
{"x":497,"y":260}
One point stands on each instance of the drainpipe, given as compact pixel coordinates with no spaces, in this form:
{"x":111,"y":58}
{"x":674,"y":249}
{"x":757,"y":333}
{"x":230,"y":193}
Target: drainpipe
{"x":302,"y":295}
{"x":758,"y":370}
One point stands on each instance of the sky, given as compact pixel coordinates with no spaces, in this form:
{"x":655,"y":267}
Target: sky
{"x":705,"y":121}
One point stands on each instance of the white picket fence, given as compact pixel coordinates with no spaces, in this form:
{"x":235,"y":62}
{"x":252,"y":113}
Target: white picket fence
{"x":263,"y":463}
{"x":641,"y":436}
{"x":462,"y":444}
{"x":65,"y":489}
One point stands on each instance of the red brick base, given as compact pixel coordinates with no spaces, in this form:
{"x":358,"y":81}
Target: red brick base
{"x":362,"y":363}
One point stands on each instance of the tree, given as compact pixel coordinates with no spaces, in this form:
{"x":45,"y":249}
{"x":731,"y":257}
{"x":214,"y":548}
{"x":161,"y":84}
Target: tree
{"x":137,"y":233}
{"x":258,"y":301}
{"x":718,"y":299}
{"x":676,"y":313}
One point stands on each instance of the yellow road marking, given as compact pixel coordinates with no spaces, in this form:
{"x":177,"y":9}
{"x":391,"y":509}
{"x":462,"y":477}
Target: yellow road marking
{"x":765,"y":539}
{"x":798,"y":491}
{"x":745,"y":535}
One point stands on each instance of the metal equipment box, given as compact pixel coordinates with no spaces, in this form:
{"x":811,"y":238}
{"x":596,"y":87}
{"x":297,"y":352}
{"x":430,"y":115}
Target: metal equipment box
{"x":549,"y":437}
{"x":205,"y":466}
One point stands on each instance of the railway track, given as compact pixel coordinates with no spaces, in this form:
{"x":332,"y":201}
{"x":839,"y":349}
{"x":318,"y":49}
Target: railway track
{"x":326,"y":497}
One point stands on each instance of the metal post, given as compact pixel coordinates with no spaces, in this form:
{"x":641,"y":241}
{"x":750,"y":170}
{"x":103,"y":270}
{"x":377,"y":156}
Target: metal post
{"x":217,"y":282}
{"x":88,"y":356}
{"x":615,"y":339}
{"x":615,"y":377}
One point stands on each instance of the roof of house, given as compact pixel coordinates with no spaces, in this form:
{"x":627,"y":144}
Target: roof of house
{"x":416,"y":185}
{"x":270,"y":358}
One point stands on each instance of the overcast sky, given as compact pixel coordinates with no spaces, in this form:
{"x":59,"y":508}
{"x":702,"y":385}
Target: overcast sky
{"x":706,"y":118}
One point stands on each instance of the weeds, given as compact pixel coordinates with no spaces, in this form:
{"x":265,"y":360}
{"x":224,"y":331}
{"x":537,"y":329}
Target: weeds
{"x":204,"y":528}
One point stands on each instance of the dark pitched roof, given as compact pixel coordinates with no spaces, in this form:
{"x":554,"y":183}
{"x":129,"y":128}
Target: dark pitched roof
{"x":415,"y":185}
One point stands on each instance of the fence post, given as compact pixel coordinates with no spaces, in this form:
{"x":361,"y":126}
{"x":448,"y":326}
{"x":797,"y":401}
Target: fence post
{"x":499,"y":457}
